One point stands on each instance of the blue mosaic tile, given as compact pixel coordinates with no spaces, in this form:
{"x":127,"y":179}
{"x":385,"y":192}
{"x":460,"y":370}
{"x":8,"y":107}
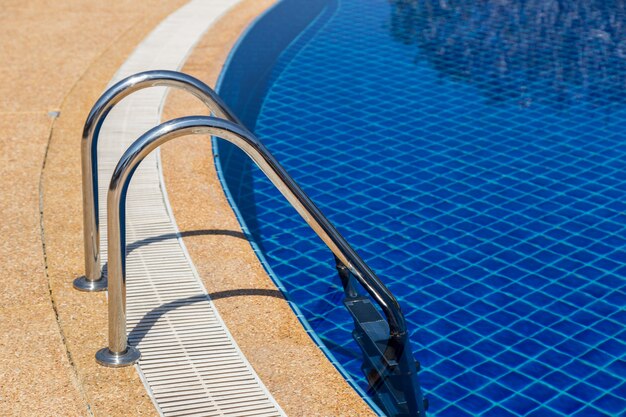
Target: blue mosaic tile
{"x":474,"y":155}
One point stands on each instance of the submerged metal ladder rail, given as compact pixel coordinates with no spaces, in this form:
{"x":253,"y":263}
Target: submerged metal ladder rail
{"x":396,"y":354}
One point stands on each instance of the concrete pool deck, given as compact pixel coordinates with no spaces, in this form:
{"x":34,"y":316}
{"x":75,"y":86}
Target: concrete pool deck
{"x":55,"y":56}
{"x":59,"y":57}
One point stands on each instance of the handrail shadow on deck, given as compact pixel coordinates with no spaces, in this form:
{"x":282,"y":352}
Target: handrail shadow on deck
{"x":149,"y":319}
{"x":190,"y":233}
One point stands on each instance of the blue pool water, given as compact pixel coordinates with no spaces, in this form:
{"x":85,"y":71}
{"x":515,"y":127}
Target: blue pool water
{"x":474,"y":154}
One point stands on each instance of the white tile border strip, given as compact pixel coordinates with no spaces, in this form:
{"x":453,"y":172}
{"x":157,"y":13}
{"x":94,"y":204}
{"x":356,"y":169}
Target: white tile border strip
{"x":196,"y":369}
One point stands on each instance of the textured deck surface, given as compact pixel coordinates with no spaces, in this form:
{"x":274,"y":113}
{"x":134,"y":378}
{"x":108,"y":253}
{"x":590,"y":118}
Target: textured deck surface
{"x":48,"y":48}
{"x":60,"y":56}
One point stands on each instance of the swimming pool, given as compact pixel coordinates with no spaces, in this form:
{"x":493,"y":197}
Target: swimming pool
{"x":472,"y":152}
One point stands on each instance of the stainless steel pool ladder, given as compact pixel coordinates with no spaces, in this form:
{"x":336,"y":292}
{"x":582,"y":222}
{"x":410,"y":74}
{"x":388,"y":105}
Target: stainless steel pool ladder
{"x":390,"y":357}
{"x":94,"y":279}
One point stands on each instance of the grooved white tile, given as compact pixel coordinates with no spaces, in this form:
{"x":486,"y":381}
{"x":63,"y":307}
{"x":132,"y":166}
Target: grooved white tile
{"x":190,"y":363}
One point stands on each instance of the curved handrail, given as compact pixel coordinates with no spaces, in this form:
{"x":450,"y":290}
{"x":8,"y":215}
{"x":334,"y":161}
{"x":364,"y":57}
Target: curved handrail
{"x":93,"y":279}
{"x":119,"y":353}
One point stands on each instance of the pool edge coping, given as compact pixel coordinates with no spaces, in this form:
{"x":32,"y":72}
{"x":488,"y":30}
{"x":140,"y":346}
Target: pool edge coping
{"x":255,"y":246}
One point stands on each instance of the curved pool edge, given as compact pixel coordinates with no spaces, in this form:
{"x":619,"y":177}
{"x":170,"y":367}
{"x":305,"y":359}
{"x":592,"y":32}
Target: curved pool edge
{"x":314,"y":24}
{"x":255,"y":311}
